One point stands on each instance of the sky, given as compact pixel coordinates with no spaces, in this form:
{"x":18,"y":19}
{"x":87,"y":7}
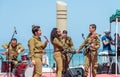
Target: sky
{"x":80,"y":13}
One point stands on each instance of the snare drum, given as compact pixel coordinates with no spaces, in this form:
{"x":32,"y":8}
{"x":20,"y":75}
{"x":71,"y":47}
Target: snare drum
{"x":24,"y":70}
{"x":6,"y":66}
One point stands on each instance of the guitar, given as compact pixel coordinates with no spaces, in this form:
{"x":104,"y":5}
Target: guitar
{"x":86,"y":49}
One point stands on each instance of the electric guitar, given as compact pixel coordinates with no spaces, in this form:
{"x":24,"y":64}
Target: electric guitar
{"x":86,"y":49}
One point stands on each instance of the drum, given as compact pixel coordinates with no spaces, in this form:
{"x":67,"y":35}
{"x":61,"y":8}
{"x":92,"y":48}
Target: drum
{"x":7,"y":66}
{"x":29,"y":71}
{"x":23,"y":70}
{"x":24,"y":57}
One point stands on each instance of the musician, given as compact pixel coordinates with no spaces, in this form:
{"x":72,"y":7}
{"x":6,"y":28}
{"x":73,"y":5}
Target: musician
{"x":107,"y":41}
{"x":68,"y":45}
{"x":36,"y":47}
{"x":91,"y":56}
{"x":56,"y":40}
{"x":13,"y":50}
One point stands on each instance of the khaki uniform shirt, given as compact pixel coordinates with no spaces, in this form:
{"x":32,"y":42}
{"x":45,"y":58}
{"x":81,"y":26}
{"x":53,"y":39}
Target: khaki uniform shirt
{"x":68,"y":44}
{"x":36,"y":46}
{"x":13,"y":50}
{"x":58,"y":45}
{"x":96,"y":42}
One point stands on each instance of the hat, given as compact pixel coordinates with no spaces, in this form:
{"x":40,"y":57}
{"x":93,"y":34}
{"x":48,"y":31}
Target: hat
{"x":107,"y":32}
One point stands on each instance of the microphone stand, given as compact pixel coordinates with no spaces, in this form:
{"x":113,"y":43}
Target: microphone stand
{"x":65,"y":73}
{"x":8,"y":62}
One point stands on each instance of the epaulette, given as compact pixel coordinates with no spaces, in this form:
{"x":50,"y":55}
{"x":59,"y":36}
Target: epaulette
{"x":98,"y":35}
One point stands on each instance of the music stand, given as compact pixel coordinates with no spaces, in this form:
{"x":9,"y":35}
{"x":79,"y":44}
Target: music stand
{"x":9,"y":74}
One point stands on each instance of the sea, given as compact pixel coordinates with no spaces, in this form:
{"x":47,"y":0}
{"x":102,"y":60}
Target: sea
{"x":76,"y":59}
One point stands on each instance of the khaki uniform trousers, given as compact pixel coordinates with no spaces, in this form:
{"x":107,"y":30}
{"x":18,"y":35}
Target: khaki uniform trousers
{"x":66,"y":61}
{"x":59,"y":63}
{"x":38,"y":66}
{"x":94,"y":63}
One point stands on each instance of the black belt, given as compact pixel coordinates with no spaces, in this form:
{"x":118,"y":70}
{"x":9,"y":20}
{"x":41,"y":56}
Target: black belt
{"x":60,"y":50}
{"x":38,"y":52}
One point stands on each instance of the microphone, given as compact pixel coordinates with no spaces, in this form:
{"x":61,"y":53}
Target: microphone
{"x":15,"y":30}
{"x":46,"y":38}
{"x":83,"y":36}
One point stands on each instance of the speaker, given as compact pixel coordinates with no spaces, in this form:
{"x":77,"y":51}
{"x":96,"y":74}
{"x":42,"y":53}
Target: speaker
{"x":103,"y":68}
{"x":75,"y":72}
{"x":113,"y":68}
{"x":99,"y":69}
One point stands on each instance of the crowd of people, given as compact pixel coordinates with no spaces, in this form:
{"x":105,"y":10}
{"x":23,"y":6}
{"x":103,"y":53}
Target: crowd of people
{"x":62,"y":44}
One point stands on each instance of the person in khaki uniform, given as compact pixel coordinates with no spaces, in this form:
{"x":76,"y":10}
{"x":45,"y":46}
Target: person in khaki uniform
{"x":93,"y":43}
{"x":68,"y":46}
{"x":56,"y":40}
{"x":14,"y":50}
{"x":36,"y":48}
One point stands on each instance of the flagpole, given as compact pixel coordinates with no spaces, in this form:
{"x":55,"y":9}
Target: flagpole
{"x":110,"y":26}
{"x":116,"y":43}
